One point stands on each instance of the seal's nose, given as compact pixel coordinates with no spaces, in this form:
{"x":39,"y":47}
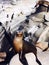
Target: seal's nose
{"x":20,"y":27}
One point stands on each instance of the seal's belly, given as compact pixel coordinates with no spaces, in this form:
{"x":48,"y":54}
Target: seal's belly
{"x":17,"y":44}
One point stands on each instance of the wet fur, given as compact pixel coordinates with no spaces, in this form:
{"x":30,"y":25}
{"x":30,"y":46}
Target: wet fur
{"x":25,"y":47}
